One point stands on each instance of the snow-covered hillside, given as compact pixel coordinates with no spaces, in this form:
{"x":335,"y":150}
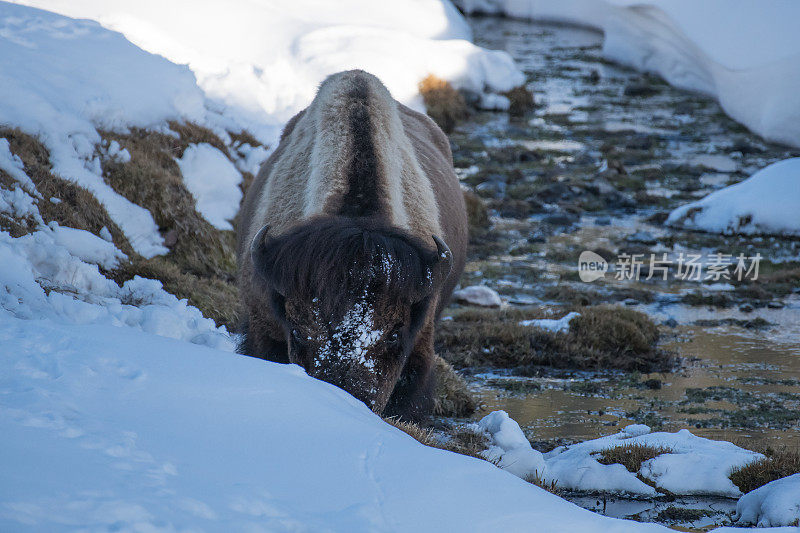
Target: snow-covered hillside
{"x":744,"y":52}
{"x":261,"y":62}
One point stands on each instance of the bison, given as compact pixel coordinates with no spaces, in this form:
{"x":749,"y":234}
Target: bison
{"x":350,"y":242}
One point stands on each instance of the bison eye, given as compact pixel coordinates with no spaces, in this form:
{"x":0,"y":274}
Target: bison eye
{"x":394,"y":338}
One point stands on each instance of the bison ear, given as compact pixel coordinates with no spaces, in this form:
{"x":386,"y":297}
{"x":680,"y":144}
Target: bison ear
{"x":443,"y":263}
{"x":258,"y":254}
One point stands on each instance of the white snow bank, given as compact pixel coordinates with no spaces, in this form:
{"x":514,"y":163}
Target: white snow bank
{"x":775,"y":504}
{"x":479,"y":295}
{"x":745,"y":53}
{"x":44,"y":275}
{"x":214,"y":183}
{"x":693,"y":465}
{"x":111,"y":428}
{"x":261,"y":62}
{"x":62,"y":80}
{"x":556,"y":325}
{"x":766,"y":202}
{"x":510,"y":449}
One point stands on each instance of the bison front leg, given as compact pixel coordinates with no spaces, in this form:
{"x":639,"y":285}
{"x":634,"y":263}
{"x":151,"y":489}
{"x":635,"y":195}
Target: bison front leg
{"x":259,"y":340}
{"x":412,"y":398}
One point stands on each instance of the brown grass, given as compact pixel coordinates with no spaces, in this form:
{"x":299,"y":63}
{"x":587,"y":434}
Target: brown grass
{"x":453,"y":397}
{"x":521,"y":100}
{"x":778,"y":464}
{"x":444,"y":104}
{"x":631,"y":456}
{"x":457,"y":440}
{"x":603,"y":337}
{"x":549,"y":486}
{"x":74,"y":207}
{"x":153,"y":180}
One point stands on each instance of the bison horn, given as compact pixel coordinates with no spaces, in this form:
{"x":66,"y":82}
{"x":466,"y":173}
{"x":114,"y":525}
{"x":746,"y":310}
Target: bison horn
{"x":444,"y":262}
{"x":257,"y":253}
{"x":258,"y":242}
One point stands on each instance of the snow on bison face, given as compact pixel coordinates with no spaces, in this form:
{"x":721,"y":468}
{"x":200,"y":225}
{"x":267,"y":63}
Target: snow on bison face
{"x":351,"y":299}
{"x":363,"y":350}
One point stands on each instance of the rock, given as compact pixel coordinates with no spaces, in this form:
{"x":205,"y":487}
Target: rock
{"x":640,"y":89}
{"x":653,"y":384}
{"x":491,"y":188}
{"x":630,"y":301}
{"x":644,"y":237}
{"x":594,"y":76}
{"x":479,"y":295}
{"x":560,"y":219}
{"x":670,"y":323}
{"x":602,"y":221}
{"x":775,"y":305}
{"x":746,"y":308}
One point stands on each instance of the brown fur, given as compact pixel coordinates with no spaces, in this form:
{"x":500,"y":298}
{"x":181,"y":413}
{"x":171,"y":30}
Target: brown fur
{"x":357,"y":179}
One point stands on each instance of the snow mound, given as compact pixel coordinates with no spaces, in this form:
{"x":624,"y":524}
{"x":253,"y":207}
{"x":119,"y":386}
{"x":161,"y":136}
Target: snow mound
{"x":765,"y":203}
{"x":693,"y":465}
{"x":479,"y":295}
{"x":214,"y":183}
{"x":109,"y":428}
{"x":510,"y":449}
{"x":63,"y":79}
{"x":746,"y":54}
{"x":556,"y":325}
{"x":775,"y":504}
{"x":260,"y":63}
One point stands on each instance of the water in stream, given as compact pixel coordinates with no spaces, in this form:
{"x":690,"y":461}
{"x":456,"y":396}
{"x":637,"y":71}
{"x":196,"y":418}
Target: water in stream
{"x":606,"y":154}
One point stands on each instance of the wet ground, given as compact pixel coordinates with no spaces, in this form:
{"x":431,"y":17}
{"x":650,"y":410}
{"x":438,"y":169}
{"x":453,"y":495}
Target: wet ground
{"x":598,"y":165}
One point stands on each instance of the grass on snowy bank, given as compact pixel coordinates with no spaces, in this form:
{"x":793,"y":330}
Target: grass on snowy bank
{"x":602,"y":337}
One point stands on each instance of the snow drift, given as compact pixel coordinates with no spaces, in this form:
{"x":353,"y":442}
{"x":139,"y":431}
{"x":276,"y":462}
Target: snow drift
{"x":765,"y":203}
{"x":744,"y":53}
{"x":261,"y":62}
{"x":113,"y":428}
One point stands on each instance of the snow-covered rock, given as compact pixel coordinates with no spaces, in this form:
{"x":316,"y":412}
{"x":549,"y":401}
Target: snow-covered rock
{"x":766,"y":202}
{"x":556,"y":325}
{"x":745,"y":53}
{"x":775,"y":504}
{"x":214,"y":183}
{"x":693,"y":465}
{"x":479,"y":295}
{"x":510,"y":449}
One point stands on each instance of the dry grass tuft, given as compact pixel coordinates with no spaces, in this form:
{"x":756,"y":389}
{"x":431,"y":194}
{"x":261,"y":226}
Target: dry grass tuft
{"x":521,"y":99}
{"x":631,"y":456}
{"x":603,"y":337}
{"x":457,"y":440}
{"x":445,"y":105}
{"x":549,"y":486}
{"x":453,"y":397}
{"x":777,"y":465}
{"x":191,"y":133}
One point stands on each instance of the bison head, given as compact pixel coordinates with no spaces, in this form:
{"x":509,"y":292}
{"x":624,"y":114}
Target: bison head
{"x":352,"y":296}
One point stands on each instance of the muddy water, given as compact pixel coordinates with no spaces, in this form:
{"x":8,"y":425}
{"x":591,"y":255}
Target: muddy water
{"x":738,"y":381}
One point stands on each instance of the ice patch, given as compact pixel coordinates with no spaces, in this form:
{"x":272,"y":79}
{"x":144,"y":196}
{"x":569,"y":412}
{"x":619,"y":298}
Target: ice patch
{"x":556,"y":325}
